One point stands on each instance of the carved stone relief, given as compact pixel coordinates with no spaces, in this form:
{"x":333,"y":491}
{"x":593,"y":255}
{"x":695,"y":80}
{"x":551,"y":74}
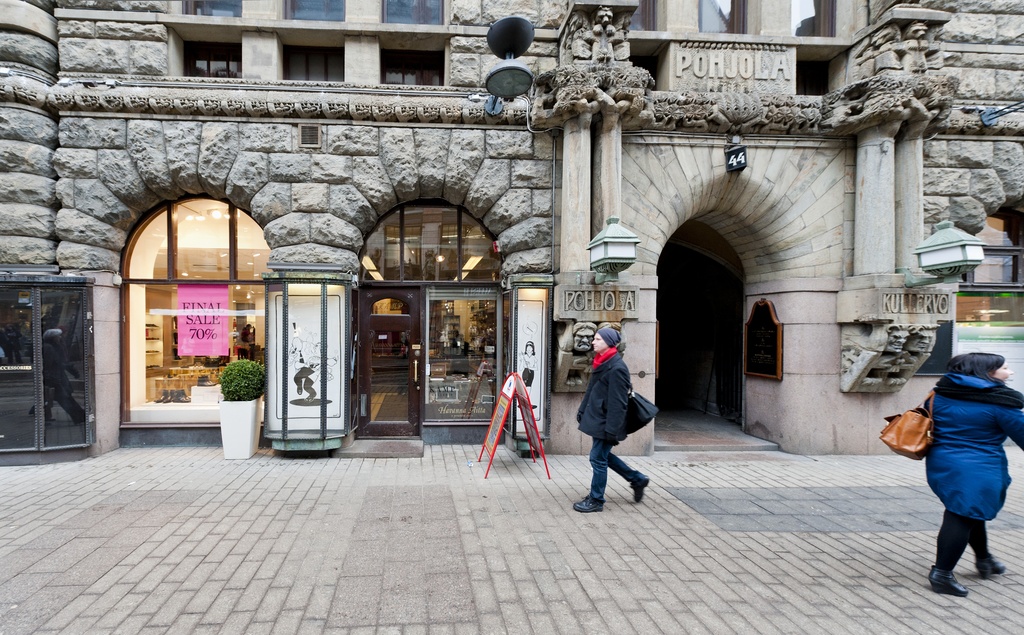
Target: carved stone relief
{"x":883,"y":357}
{"x":596,"y":35}
{"x":574,"y":356}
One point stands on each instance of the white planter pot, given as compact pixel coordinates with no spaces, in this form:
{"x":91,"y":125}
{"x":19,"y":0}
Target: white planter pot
{"x":239,"y":428}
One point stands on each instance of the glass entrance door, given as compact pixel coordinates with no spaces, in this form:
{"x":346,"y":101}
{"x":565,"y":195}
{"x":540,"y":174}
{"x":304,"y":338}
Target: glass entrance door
{"x":390,"y":363}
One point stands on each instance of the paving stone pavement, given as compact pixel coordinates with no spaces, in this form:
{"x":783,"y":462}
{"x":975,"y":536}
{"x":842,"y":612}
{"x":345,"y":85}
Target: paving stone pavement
{"x":178,"y":540}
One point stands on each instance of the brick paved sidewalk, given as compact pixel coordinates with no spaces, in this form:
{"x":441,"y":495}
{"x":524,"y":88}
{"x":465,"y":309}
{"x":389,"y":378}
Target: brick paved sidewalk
{"x":177,"y":540}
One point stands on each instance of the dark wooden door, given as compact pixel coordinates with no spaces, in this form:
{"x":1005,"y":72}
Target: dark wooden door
{"x":390,"y":362}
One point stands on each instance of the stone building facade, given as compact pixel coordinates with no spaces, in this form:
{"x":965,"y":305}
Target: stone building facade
{"x":342,"y":134}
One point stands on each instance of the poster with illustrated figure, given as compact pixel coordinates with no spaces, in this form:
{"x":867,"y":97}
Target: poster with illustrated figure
{"x":302,"y":386}
{"x":531,"y":353}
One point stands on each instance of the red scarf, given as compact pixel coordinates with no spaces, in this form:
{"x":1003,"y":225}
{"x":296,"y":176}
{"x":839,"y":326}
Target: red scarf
{"x":605,"y":356}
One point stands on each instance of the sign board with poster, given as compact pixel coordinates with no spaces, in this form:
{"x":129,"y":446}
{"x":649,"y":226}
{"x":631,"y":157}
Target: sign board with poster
{"x":512,"y":388}
{"x":762,"y":342}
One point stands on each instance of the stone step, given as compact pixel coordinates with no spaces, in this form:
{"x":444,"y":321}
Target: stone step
{"x":382,"y":449}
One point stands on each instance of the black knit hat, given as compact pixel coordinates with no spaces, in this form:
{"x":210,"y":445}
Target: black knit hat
{"x":610,"y":336}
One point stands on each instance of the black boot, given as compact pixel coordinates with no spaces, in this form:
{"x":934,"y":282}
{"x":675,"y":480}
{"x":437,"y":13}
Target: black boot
{"x":945,"y":582}
{"x":989,"y":566}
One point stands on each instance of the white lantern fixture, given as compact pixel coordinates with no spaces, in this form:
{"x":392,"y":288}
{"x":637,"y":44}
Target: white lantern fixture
{"x":612,"y":251}
{"x":947,"y":254}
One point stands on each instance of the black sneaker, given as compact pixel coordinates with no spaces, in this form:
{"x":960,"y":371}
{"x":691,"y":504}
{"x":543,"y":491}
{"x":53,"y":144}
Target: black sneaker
{"x":638,"y":489}
{"x":588,"y":505}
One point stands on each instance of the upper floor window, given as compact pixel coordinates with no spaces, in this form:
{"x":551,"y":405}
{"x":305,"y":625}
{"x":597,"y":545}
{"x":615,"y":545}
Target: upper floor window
{"x":315,"y":10}
{"x":413,"y":11}
{"x":430,"y":242}
{"x":218,"y":8}
{"x":1004,"y":252}
{"x":419,"y":68}
{"x":722,"y":16}
{"x":644,"y":18}
{"x":203,"y":59}
{"x":314,"y":64}
{"x":814,"y":18}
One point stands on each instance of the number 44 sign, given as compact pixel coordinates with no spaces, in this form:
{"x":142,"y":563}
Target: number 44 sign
{"x":735,"y":158}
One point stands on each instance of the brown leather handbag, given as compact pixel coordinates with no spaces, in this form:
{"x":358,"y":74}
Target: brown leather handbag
{"x":910,"y":434}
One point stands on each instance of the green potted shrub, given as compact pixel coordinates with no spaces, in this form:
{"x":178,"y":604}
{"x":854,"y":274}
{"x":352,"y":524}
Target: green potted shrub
{"x":241,"y":386}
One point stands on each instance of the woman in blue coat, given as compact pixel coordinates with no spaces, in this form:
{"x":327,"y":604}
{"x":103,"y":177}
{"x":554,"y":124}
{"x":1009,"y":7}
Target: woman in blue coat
{"x":974,"y":411}
{"x":602,"y":415}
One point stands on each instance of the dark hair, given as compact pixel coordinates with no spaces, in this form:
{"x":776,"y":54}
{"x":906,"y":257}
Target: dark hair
{"x":531,"y":347}
{"x":976,"y":364}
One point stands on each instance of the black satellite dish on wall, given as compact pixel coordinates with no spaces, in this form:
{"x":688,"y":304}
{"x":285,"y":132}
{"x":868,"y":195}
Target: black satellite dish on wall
{"x":508,"y":38}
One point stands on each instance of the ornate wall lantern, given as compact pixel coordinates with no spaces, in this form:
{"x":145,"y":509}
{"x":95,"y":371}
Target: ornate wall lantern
{"x":612,"y":251}
{"x":947,"y":254}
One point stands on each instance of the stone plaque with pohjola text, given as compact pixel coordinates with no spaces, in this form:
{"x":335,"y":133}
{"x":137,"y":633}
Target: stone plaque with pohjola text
{"x":596,"y":302}
{"x":762,"y":342}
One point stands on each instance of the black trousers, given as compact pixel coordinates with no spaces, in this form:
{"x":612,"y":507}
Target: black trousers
{"x":955,"y":534}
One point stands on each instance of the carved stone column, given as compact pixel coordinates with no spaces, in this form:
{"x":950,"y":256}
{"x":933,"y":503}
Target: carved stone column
{"x":909,"y":216}
{"x":607,"y":171}
{"x":873,"y":225}
{"x":575,"y":226}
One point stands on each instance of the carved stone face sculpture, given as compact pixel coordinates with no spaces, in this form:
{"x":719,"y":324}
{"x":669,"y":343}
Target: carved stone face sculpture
{"x":583,"y":336}
{"x":897,"y":338}
{"x":920,"y":341}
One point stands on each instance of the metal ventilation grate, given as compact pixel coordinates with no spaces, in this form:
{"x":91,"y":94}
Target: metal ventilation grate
{"x":309,"y":135}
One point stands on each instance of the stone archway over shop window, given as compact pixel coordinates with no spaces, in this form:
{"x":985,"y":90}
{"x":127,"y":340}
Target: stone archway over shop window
{"x":314,"y":205}
{"x":196,"y":248}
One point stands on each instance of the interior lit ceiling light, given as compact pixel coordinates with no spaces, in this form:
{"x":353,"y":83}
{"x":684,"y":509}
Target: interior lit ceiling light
{"x":472,"y":262}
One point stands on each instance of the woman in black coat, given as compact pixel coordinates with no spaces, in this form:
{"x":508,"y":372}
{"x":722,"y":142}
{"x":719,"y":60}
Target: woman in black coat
{"x":602,"y":415}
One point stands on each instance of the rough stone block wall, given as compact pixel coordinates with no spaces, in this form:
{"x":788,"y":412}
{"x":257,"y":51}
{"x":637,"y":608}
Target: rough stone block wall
{"x":28,"y":137}
{"x":27,"y":187}
{"x":965,"y":180}
{"x":471,"y":60}
{"x":997,"y":73}
{"x":545,"y":14}
{"x":115,"y":48}
{"x":314,"y":205}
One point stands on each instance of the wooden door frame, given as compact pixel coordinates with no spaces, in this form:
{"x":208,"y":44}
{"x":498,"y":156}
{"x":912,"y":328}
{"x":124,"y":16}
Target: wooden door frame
{"x":367,"y":325}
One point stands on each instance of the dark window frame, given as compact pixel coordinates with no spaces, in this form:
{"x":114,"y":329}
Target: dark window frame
{"x":419,"y":63}
{"x":645,"y":18}
{"x":737,"y":19}
{"x":204,"y":51}
{"x":312,"y":50}
{"x":205,"y":7}
{"x":290,"y":11}
{"x":824,"y":20}
{"x":1015,"y":223}
{"x":420,"y":9}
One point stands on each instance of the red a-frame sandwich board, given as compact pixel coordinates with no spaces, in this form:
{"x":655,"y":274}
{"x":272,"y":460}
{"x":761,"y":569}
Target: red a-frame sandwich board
{"x":513,"y":388}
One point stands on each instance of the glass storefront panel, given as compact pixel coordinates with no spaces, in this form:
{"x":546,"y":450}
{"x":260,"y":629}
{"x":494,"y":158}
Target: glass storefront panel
{"x":173,"y":378}
{"x":176,"y":347}
{"x":65,"y":391}
{"x":252,"y":250}
{"x":992,"y":323}
{"x":461,"y":354}
{"x":17,"y":392}
{"x":203,"y":240}
{"x":149,"y":253}
{"x":479,"y":262}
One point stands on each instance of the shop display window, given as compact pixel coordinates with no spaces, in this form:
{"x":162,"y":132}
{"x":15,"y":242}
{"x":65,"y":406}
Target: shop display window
{"x":43,"y":326}
{"x":430,"y":243}
{"x":182,"y":329}
{"x":462,"y":353}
